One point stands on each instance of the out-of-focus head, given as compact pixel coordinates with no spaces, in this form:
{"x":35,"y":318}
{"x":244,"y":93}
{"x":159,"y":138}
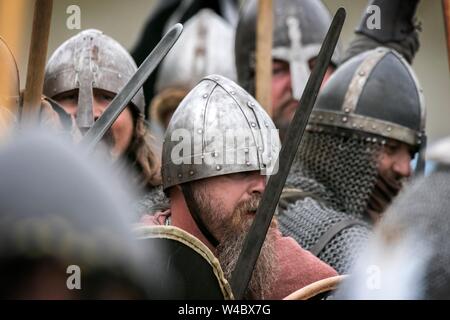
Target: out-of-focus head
{"x":9,"y":79}
{"x":298,"y":32}
{"x":86,"y":64}
{"x":205,"y":47}
{"x":408,"y":256}
{"x":65,"y":223}
{"x":9,"y":90}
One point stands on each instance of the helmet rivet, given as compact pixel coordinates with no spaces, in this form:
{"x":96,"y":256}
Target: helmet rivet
{"x":266,"y":124}
{"x":218,"y":168}
{"x":260,"y":148}
{"x":253,"y":125}
{"x":214,"y":154}
{"x":180,"y":175}
{"x":216,"y":79}
{"x":246,"y":150}
{"x":250,"y":104}
{"x":120,"y":76}
{"x":347,"y":110}
{"x":191,"y":172}
{"x":232,"y":93}
{"x":374,"y":127}
{"x":205,"y":96}
{"x":368,"y":139}
{"x":320,"y":117}
{"x":389,"y":129}
{"x":331,"y":119}
{"x":383,"y":142}
{"x":199,"y":131}
{"x":362,"y":73}
{"x":248,"y":163}
{"x":354,"y":125}
{"x":344,"y":119}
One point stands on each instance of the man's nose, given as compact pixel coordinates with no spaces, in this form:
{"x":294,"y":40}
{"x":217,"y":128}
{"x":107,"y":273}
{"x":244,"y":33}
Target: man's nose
{"x":402,"y":165}
{"x":258,"y":184}
{"x":97,"y":110}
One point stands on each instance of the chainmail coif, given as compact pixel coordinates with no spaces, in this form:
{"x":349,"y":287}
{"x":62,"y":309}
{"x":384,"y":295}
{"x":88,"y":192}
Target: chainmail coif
{"x":339,"y":169}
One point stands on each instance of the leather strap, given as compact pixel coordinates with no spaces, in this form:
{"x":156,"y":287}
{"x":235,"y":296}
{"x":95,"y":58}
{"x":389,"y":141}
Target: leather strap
{"x":331,"y":233}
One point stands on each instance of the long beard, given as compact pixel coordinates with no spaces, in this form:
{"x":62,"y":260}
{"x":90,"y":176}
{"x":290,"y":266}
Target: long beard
{"x":263,"y":274}
{"x":232,"y":233}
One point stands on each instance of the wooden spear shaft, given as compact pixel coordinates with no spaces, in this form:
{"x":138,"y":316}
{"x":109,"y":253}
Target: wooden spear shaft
{"x":37,"y":58}
{"x":264,"y":55}
{"x":446,"y":9}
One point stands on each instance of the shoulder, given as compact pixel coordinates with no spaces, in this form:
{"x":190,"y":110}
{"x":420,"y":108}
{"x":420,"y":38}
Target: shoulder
{"x":153,"y":200}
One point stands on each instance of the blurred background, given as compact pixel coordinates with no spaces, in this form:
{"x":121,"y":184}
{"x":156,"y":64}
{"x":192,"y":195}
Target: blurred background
{"x":124,"y":21}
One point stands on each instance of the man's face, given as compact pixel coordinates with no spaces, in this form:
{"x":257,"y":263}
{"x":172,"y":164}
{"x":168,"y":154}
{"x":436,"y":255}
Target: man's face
{"x":229,"y":201}
{"x":227,"y":205}
{"x":119,"y":136}
{"x":395,"y":160}
{"x":393,"y":168}
{"x":283,"y":102}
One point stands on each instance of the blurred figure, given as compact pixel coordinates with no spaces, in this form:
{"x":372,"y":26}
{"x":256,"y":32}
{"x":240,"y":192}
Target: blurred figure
{"x":299,"y":28}
{"x":398,"y":29}
{"x":205,"y":47}
{"x":83,"y":75}
{"x":367,"y":125}
{"x":65,"y":226}
{"x":438,"y":154}
{"x":166,"y":13}
{"x":408,"y":256}
{"x":9,"y":90}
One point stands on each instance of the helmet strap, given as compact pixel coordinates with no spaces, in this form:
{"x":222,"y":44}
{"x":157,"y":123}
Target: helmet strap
{"x":186,"y":188}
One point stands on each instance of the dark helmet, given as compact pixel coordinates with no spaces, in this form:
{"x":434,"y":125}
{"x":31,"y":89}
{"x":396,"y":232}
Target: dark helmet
{"x":374,"y":93}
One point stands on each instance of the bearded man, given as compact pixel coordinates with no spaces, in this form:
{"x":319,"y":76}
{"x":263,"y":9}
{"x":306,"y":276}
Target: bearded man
{"x":215,"y":190}
{"x":367,"y":125}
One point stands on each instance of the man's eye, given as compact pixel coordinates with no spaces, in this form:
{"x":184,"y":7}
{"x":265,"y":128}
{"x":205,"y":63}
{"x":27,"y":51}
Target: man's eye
{"x":106,"y":97}
{"x":71,"y":97}
{"x":278,"y":71}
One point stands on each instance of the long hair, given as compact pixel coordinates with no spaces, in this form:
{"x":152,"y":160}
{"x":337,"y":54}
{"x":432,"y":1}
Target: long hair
{"x":140,"y":155}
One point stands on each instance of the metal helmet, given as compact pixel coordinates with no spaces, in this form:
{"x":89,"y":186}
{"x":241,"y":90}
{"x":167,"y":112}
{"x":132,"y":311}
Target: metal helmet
{"x":299,"y":29}
{"x":375,"y":93}
{"x":222,"y":130}
{"x":90,"y":60}
{"x":205,"y":48}
{"x":9,"y":79}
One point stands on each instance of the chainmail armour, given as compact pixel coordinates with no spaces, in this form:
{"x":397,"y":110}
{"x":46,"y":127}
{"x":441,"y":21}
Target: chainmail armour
{"x":339,"y":170}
